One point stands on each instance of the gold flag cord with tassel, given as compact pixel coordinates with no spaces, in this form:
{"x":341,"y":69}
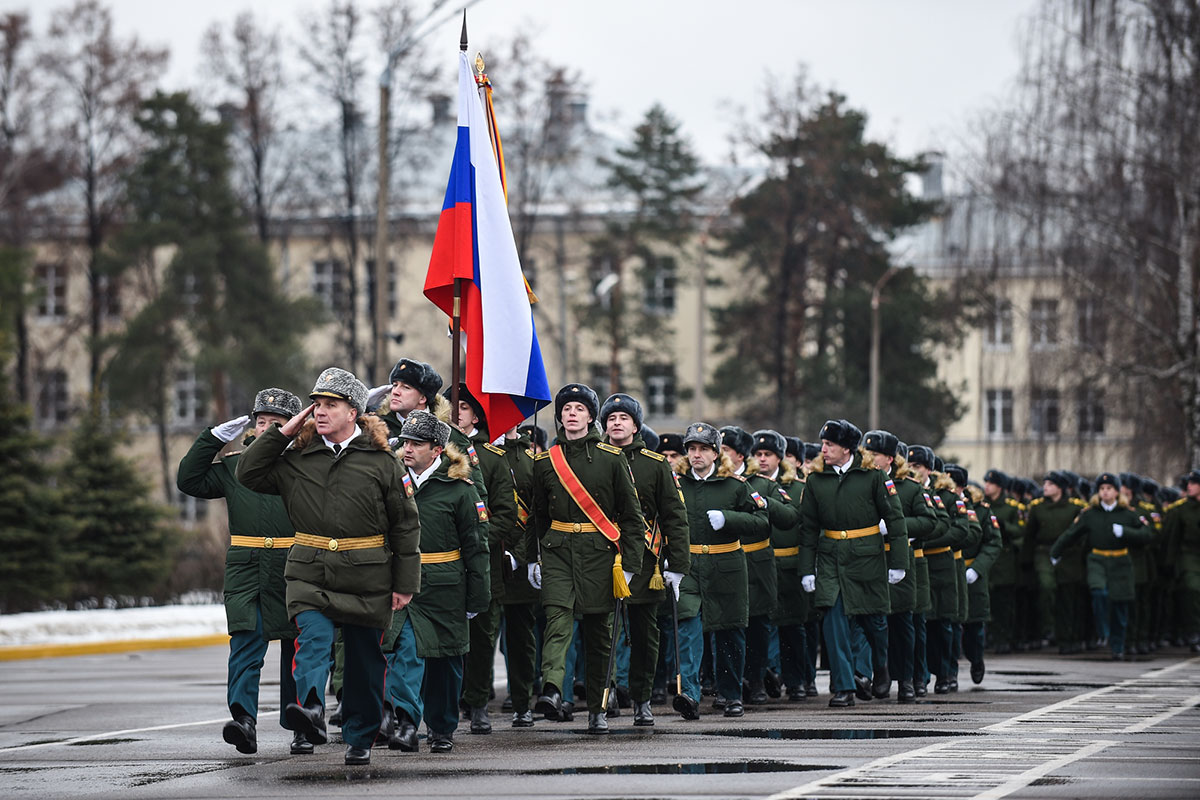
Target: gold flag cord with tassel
{"x":620,"y":586}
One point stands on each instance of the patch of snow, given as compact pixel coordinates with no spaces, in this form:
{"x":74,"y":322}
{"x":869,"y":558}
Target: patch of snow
{"x":101,"y":625}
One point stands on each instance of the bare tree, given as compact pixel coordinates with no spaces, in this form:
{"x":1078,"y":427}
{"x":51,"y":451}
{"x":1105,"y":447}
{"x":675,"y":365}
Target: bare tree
{"x":98,"y":80}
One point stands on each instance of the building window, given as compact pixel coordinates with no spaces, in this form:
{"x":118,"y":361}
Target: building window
{"x":998,"y":328}
{"x":1044,"y":412}
{"x":660,"y":390}
{"x":1090,"y":324}
{"x":53,"y":408}
{"x":660,"y":284}
{"x":600,"y":380}
{"x":604,"y":280}
{"x":188,"y":407}
{"x":329,"y":284}
{"x":999,"y":412}
{"x":108,"y":297}
{"x":191,"y":509}
{"x":51,"y":283}
{"x":1091,"y":411}
{"x":1043,"y":324}
{"x":391,"y":288}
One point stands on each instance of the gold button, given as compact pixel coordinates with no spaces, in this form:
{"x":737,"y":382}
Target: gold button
{"x":576,"y":527}
{"x":333,"y":544}
{"x":704,"y":548}
{"x":843,"y":534}
{"x":268,"y":542}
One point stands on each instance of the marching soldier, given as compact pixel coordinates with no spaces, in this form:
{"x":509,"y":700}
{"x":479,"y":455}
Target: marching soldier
{"x":260,"y":535}
{"x":958,"y":482}
{"x":800,"y":458}
{"x":1106,"y":526}
{"x":721,"y":513}
{"x":520,"y":599}
{"x":587,"y":518}
{"x":979,"y":557}
{"x":665,"y":557}
{"x":670,"y":447}
{"x":536,"y":436}
{"x":1002,"y":580}
{"x":793,"y":604}
{"x":427,"y":639}
{"x":503,"y":535}
{"x":355,"y":559}
{"x":842,"y":555}
{"x":1060,"y":584}
{"x":1181,"y":532}
{"x":1145,"y":564}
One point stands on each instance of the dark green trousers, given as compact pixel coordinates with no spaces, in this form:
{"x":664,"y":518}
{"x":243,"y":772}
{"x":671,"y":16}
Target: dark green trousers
{"x":596,"y":630}
{"x":520,"y":637}
{"x":477,"y":663}
{"x":643,"y":649}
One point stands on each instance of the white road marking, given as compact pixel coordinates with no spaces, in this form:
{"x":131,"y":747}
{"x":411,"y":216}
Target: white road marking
{"x":110,"y":735}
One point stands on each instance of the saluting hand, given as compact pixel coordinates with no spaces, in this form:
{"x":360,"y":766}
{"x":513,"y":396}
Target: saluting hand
{"x":228,"y":431}
{"x":293,"y":425}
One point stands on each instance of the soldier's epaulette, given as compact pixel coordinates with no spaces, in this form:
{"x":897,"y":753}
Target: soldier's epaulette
{"x":609,"y":448}
{"x":231,"y":453}
{"x":540,"y":456}
{"x":529,"y":452}
{"x":1011,"y":502}
{"x":1036,"y":501}
{"x":1176,"y":504}
{"x":741,"y":478}
{"x":650,"y":453}
{"x":1079,"y":502}
{"x":493,"y":448}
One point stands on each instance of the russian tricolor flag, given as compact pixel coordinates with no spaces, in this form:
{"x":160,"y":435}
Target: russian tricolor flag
{"x":474,"y":242}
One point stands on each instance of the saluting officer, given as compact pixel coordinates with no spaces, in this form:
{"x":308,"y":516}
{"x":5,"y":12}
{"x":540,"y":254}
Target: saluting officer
{"x":260,"y":535}
{"x":665,"y":556}
{"x":842,"y":555}
{"x":587,"y":519}
{"x":355,"y":559}
{"x":427,"y":639}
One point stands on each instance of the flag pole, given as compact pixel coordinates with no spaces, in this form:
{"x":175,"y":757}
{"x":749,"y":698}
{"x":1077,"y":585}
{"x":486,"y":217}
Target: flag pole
{"x":456,"y":317}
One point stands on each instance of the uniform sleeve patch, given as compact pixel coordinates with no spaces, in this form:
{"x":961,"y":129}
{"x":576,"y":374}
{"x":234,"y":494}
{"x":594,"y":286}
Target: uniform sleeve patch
{"x":938,"y":500}
{"x":962,"y":506}
{"x":784,"y":495}
{"x":408,"y":485}
{"x":928,"y":499}
{"x":995,"y":522}
{"x":891,"y":487}
{"x":472,"y":456}
{"x":758,"y":500}
{"x":971,"y":515}
{"x":482,"y":511}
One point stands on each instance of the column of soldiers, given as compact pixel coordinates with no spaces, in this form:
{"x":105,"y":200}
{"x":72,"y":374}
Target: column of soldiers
{"x":391,"y":542}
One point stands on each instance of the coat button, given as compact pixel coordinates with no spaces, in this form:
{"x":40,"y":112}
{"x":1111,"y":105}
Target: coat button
{"x":333,"y":544}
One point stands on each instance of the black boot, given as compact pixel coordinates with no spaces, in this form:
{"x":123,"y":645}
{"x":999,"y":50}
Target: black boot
{"x":240,"y":732}
{"x":842,"y":700}
{"x":772,"y":684}
{"x":905,"y":693}
{"x":757,"y":695}
{"x":977,"y":672}
{"x":441,"y":742}
{"x":404,"y":734}
{"x":386,"y":726}
{"x":624,"y":698}
{"x":862,"y":687}
{"x":549,"y":703}
{"x":734,"y":708}
{"x":642,"y":716}
{"x":480,"y":722}
{"x":597,"y":724}
{"x":309,"y":720}
{"x":335,"y":719}
{"x":686,"y":706}
{"x":522,"y":719}
{"x":301,"y":746}
{"x":357,"y":756}
{"x":810,"y":689}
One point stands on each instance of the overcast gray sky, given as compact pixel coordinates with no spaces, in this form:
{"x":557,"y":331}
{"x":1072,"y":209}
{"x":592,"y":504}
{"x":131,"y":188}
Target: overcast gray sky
{"x":919,"y":68}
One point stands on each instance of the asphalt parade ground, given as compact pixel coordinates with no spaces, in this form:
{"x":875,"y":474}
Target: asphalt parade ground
{"x":148,"y":725}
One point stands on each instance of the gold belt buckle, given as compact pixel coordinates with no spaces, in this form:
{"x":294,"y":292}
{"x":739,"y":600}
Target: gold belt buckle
{"x":843,"y":534}
{"x":268,"y":542}
{"x":704,"y":549}
{"x":576,"y":527}
{"x":333,"y":545}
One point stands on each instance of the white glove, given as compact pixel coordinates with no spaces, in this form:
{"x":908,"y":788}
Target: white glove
{"x":375,"y":396}
{"x":895,"y":576}
{"x":1118,"y":530}
{"x":628,"y":577}
{"x":1054,"y":561}
{"x":228,"y":431}
{"x":716,"y":519}
{"x":512,"y":560}
{"x":883,"y":527}
{"x":809,"y":582}
{"x":535,"y":575}
{"x":673,"y":579}
{"x":472,"y":615}
{"x":972,"y":575}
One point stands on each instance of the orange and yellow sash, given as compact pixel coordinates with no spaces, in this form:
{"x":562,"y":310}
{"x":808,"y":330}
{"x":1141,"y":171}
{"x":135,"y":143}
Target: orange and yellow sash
{"x":591,"y":509}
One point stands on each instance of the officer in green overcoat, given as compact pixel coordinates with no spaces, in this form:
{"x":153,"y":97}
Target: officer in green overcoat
{"x":586,"y":520}
{"x":1106,"y":527}
{"x":979,"y":557}
{"x":355,"y":557}
{"x":1181,"y":545}
{"x":794,"y":456}
{"x":1002,"y":581}
{"x":260,"y":535}
{"x":427,"y":639}
{"x":934,"y":558}
{"x":842,"y":555}
{"x":714,"y":597}
{"x":1060,"y":585}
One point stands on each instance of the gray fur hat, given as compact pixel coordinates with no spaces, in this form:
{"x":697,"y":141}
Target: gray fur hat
{"x":622,"y":402}
{"x":703,"y":433}
{"x":276,"y":401}
{"x":769,"y":440}
{"x":422,"y":426}
{"x":341,"y":385}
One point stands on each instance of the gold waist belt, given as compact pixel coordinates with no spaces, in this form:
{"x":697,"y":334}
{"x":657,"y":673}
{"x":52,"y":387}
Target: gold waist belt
{"x":968,"y":561}
{"x":918,"y":552}
{"x":444,"y":557}
{"x":706,"y":549}
{"x":574,"y":527}
{"x":784,"y":552}
{"x":263,"y":542}
{"x":958,"y":555}
{"x":1124,"y":551}
{"x":754,"y":547}
{"x":857,"y":533}
{"x":348,"y":543}
{"x":936,"y":551}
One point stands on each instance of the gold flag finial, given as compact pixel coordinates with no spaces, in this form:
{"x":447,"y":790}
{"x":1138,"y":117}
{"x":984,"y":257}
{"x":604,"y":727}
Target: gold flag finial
{"x":479,"y":63}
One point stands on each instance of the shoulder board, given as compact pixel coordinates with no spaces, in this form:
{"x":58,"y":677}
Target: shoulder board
{"x":232,"y":453}
{"x":1177,"y":503}
{"x":651,"y":454}
{"x":529,"y":452}
{"x":741,"y":478}
{"x":1037,"y":501}
{"x":609,"y":448}
{"x":493,"y":448}
{"x":1011,"y":502}
{"x":540,"y":456}
{"x":1079,"y":502}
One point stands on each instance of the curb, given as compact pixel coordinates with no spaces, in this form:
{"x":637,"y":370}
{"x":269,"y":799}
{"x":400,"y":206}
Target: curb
{"x":32,"y":651}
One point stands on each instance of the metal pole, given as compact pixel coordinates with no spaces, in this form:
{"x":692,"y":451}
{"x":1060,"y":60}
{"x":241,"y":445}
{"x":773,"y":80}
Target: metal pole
{"x":379,"y":319}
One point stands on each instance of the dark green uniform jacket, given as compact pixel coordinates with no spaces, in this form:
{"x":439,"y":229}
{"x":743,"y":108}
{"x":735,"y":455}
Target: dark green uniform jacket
{"x":760,"y":564}
{"x":981,"y":557}
{"x":577,"y":567}
{"x":662,"y":505}
{"x":943,"y":571}
{"x":794,"y":604}
{"x":1145,"y":568}
{"x":920,"y":530}
{"x":395,"y":423}
{"x":1093,"y":529}
{"x":503,"y":532}
{"x":517,"y":588}
{"x":1011,"y":516}
{"x":1045,"y":523}
{"x":919,"y":520}
{"x":450,"y":520}
{"x":717,"y":587}
{"x":358,"y":493}
{"x":1181,"y":534}
{"x":253,"y":576}
{"x":855,"y":568}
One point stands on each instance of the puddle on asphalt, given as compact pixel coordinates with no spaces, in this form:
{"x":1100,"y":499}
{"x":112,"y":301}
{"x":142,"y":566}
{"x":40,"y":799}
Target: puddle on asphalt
{"x":89,"y":742}
{"x":703,"y":768}
{"x":832,"y":733}
{"x":1019,"y":672}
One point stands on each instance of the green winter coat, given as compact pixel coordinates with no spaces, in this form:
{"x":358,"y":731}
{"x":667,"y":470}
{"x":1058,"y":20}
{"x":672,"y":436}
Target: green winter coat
{"x":952,"y":533}
{"x":912,"y":593}
{"x":503,"y":532}
{"x":1044,"y":523}
{"x":760,"y":564}
{"x":981,"y":557}
{"x":854,"y":568}
{"x":253,"y":576}
{"x":918,"y":536}
{"x":1093,"y":530}
{"x":517,"y":588}
{"x":1181,"y":541}
{"x":1011,"y":516}
{"x":794,"y":604}
{"x":577,"y":567}
{"x":1145,"y":568}
{"x":451,"y":519}
{"x":662,"y":505}
{"x":358,"y":493}
{"x":717,"y":586}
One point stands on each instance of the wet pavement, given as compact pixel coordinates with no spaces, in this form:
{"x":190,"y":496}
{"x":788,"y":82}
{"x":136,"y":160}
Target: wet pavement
{"x":148,"y":725}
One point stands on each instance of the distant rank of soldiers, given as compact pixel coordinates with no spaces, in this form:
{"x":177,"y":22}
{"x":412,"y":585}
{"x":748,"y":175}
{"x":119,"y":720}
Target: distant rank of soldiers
{"x":392,"y":542}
